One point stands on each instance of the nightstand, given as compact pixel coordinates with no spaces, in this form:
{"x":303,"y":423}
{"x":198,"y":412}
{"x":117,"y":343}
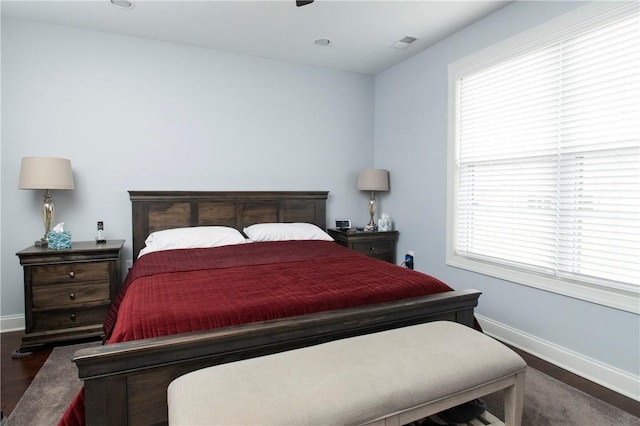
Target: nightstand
{"x":381,"y":245}
{"x":67,"y":293}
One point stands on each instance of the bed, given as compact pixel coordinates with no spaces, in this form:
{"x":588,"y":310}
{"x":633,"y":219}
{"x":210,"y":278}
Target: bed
{"x":125,"y":382}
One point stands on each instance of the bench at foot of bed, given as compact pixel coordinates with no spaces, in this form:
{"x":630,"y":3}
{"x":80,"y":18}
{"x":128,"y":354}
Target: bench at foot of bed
{"x":388,"y":378}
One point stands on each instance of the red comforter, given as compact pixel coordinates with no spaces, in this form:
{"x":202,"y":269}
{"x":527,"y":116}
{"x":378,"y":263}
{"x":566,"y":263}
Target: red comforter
{"x":179,"y":291}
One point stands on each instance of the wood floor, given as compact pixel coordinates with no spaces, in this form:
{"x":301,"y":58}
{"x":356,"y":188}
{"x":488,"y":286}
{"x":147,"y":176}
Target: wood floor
{"x":17,"y":374}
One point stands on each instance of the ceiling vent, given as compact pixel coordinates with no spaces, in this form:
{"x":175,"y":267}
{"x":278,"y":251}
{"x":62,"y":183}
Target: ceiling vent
{"x":122,"y":4}
{"x":404,"y":42}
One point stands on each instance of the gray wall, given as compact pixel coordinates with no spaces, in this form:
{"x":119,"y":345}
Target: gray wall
{"x":139,"y":114}
{"x":411,"y":141}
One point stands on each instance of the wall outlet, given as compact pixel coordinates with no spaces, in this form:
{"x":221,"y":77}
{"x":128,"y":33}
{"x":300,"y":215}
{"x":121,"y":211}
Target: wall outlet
{"x":408,"y":260}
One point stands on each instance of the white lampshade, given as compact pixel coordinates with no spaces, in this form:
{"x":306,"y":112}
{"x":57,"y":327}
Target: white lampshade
{"x":45,"y":173}
{"x":373,"y":180}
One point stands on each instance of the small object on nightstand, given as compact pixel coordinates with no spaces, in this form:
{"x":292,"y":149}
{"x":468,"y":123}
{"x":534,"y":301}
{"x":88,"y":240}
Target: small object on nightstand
{"x":343,"y":224}
{"x":385,"y":223}
{"x":100,"y":236}
{"x":58,"y":238}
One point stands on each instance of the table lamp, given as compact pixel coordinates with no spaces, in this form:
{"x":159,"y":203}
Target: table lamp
{"x":46,"y":173}
{"x":373,"y":180}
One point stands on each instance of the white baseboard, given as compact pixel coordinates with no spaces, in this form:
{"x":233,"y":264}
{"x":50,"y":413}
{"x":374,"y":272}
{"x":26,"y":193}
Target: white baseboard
{"x":11,"y":323}
{"x":610,"y":377}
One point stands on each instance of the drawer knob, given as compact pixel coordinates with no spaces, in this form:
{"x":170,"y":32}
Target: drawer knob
{"x":72,"y":296}
{"x":72,"y":317}
{"x":72,"y":274}
{"x":372,"y":248}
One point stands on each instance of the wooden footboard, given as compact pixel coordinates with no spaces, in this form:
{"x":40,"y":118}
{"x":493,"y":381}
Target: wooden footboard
{"x":126,"y":383}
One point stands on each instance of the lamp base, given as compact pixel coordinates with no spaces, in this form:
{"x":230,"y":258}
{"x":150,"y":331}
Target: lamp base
{"x":372,"y":226}
{"x":43,"y":242}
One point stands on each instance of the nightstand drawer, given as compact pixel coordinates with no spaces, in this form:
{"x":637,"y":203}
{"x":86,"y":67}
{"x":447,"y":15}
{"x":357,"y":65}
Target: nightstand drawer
{"x":69,"y":295}
{"x":70,"y":272}
{"x":376,"y":248}
{"x":381,"y":245}
{"x":54,"y":320}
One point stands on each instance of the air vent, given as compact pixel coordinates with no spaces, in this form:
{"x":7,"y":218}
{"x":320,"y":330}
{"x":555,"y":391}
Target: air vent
{"x":404,"y":42}
{"x":122,"y":4}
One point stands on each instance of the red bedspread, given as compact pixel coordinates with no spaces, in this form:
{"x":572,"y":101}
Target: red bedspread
{"x":179,"y":291}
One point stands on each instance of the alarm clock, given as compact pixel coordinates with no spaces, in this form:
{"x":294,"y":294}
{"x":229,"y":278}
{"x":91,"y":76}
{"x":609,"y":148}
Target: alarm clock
{"x":343,"y":224}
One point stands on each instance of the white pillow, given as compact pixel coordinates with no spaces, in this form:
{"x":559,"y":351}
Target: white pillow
{"x":285,"y":232}
{"x":191,"y":237}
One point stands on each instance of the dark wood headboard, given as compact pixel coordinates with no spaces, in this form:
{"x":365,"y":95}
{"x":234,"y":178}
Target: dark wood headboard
{"x":158,"y":210}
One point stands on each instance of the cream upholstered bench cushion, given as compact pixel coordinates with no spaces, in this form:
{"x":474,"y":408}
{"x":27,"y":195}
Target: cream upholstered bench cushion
{"x":350,"y":381}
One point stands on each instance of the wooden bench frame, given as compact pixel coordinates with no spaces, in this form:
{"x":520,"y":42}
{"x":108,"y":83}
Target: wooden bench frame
{"x":513,"y":403}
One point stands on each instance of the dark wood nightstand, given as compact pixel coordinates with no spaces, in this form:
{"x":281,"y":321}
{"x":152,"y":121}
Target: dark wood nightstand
{"x":67,"y":293}
{"x":381,"y":245}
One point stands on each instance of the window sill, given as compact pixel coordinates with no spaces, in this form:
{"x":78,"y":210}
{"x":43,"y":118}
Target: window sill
{"x":620,"y":299}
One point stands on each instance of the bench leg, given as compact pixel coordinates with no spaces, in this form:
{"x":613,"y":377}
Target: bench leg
{"x":392,"y":421}
{"x":513,"y":401}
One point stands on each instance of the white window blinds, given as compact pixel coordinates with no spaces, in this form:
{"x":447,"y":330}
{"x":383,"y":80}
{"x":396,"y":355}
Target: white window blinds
{"x":546,"y":158}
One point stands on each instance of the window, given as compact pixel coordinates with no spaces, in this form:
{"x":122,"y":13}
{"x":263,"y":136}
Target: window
{"x":544,"y":156}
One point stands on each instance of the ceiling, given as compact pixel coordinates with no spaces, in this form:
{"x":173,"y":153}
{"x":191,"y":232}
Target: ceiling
{"x":360,"y":32}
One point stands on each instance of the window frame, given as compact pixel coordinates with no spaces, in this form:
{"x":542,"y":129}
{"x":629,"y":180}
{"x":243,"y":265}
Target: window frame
{"x":626,"y":299}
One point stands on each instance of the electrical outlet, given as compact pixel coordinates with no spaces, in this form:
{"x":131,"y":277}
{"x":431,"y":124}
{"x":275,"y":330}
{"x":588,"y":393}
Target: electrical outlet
{"x":408,"y":260}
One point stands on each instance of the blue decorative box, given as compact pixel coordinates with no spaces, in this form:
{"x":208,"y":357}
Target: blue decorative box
{"x":59,"y":240}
